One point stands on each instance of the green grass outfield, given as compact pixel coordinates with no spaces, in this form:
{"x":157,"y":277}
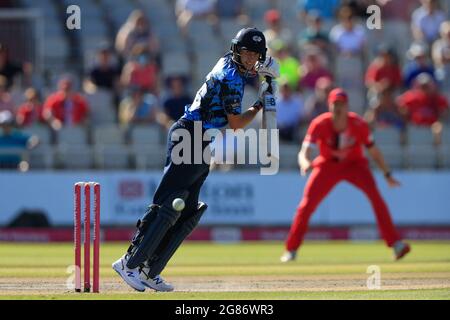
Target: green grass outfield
{"x":250,"y":270}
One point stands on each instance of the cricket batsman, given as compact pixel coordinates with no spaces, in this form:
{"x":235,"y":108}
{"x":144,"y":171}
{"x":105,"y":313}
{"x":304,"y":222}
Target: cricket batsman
{"x":217,"y":104}
{"x":340,"y":136}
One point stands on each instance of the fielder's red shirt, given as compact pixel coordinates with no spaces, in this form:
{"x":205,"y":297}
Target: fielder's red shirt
{"x":345,"y":146}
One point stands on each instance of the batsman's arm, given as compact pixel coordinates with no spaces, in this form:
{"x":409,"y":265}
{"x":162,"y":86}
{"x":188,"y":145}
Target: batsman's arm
{"x":378,"y":157}
{"x":239,"y":121}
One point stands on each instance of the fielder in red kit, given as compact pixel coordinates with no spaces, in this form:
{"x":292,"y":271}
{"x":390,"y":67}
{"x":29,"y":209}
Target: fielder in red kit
{"x":340,"y":136}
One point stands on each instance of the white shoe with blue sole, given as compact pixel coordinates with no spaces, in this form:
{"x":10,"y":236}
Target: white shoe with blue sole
{"x":130,"y":276}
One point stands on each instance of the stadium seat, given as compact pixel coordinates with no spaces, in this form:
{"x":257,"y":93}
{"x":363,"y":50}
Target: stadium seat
{"x":175,"y":63}
{"x":101,"y":108}
{"x":394,"y":155}
{"x":108,"y":134}
{"x":444,"y":156}
{"x":74,"y":156}
{"x":41,"y":131}
{"x":148,"y":157}
{"x":444,"y":148}
{"x":147,"y":135}
{"x":420,"y":135}
{"x":109,"y":148}
{"x":72,"y":135}
{"x":112,"y":156}
{"x":41,"y":157}
{"x":388,"y":136}
{"x":421,"y":151}
{"x":422,"y":156}
{"x":289,"y":156}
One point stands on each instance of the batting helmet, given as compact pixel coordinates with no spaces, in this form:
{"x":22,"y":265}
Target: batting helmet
{"x":250,"y":39}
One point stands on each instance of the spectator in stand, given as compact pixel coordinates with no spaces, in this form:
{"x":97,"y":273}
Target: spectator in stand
{"x":290,"y":67}
{"x":349,"y":41}
{"x":275,"y":31}
{"x":6,"y":101}
{"x":441,"y":48}
{"x":137,"y":30}
{"x":139,"y":108}
{"x":383,"y":73}
{"x":441,"y":57}
{"x":186,"y":10}
{"x":383,"y":111}
{"x":289,"y":112}
{"x":141,"y":71}
{"x":425,"y":22}
{"x":66,"y":107}
{"x":176,"y":99}
{"x":348,"y":36}
{"x":314,"y":35}
{"x":317,"y":103}
{"x":13,"y":143}
{"x":326,"y":8}
{"x":30,"y":113}
{"x":232,"y":9}
{"x":398,"y":10}
{"x":8,"y":69}
{"x":424,"y":105}
{"x":104,"y":74}
{"x":418,"y":64}
{"x":313,"y":67}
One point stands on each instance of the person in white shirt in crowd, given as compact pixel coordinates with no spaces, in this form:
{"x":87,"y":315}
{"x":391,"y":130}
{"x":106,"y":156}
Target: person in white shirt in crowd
{"x":441,"y":58}
{"x":186,"y":10}
{"x":348,"y":37}
{"x":137,"y":30}
{"x":426,"y":20}
{"x":289,"y":111}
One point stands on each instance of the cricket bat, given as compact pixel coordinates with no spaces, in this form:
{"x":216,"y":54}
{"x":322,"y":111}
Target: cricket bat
{"x":269,"y":121}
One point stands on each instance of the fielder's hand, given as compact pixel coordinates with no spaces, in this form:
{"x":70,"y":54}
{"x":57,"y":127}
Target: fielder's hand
{"x":268,"y":68}
{"x":392,"y":182}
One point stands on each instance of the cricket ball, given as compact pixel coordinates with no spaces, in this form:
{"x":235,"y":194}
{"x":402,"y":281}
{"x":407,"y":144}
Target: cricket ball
{"x":178,"y":204}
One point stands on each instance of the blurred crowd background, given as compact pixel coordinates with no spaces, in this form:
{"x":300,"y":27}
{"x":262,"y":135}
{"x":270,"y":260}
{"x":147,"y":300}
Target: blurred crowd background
{"x":104,"y":96}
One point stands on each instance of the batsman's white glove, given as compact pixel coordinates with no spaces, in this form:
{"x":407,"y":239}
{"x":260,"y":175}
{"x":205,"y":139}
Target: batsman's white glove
{"x":263,"y":90}
{"x":264,"y":87}
{"x":268,"y":68}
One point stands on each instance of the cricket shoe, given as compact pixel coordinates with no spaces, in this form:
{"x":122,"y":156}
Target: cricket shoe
{"x":157,"y":283}
{"x":401,"y":249}
{"x":288,"y":256}
{"x":130,"y":276}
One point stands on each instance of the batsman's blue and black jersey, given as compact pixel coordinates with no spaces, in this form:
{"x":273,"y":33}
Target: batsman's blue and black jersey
{"x":220,"y":95}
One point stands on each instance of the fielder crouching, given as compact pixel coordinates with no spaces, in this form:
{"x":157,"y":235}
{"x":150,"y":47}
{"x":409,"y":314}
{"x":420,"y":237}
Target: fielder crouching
{"x":217,"y":104}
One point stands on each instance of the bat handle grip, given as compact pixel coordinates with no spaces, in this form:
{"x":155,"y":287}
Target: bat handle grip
{"x":269,"y":81}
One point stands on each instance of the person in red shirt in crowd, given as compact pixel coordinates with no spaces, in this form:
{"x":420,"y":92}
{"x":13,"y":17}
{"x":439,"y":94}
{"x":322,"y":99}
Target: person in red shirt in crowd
{"x":142,"y":71}
{"x":423,"y":105}
{"x":314,"y":68}
{"x":30,"y":112}
{"x":65,"y":107}
{"x":383,"y":73}
{"x":340,"y":136}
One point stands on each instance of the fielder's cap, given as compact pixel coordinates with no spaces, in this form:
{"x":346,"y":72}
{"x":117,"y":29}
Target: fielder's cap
{"x":337,"y":94}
